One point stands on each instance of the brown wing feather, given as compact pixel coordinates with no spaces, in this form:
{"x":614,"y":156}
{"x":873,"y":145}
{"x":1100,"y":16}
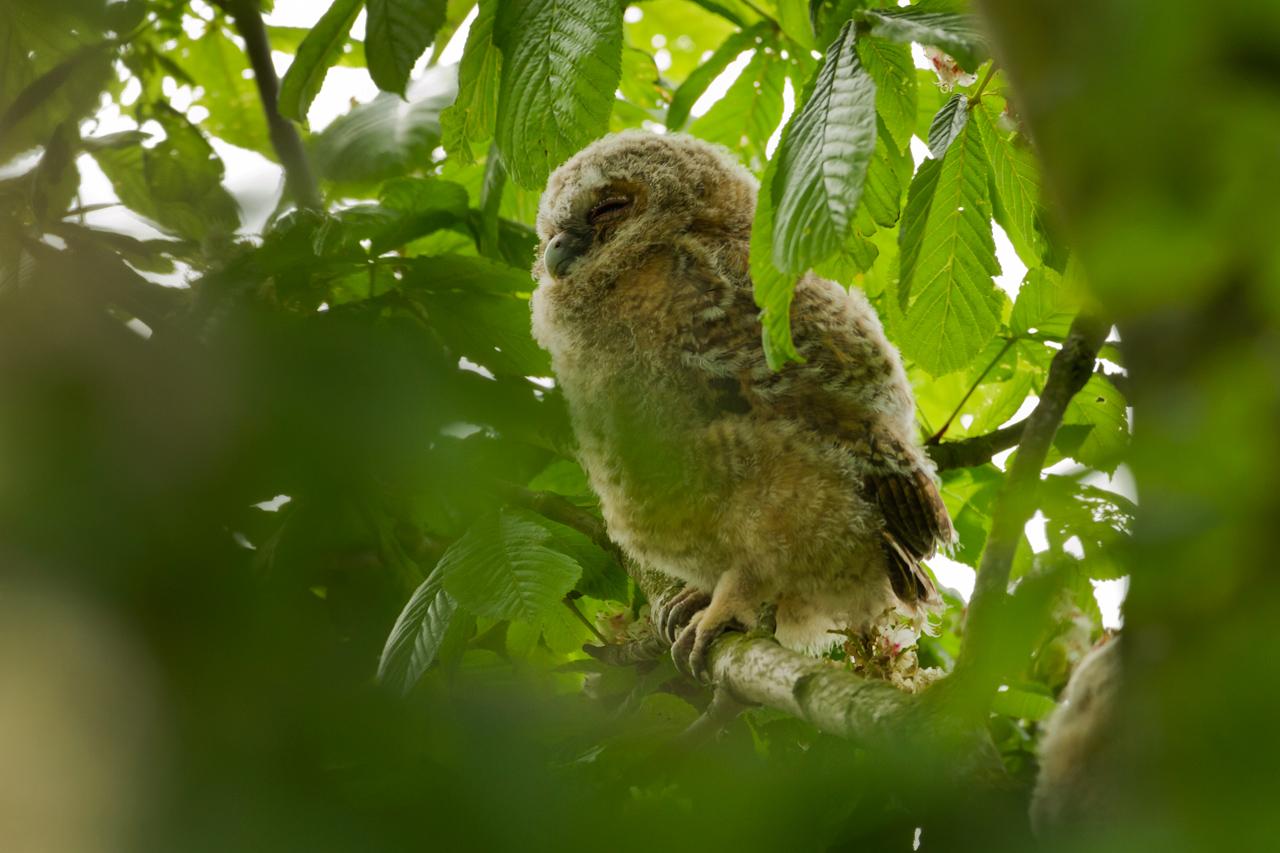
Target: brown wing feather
{"x":915,"y":524}
{"x":916,"y":520}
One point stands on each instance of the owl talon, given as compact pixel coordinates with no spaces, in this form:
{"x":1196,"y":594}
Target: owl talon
{"x":675,"y":614}
{"x":690,"y":649}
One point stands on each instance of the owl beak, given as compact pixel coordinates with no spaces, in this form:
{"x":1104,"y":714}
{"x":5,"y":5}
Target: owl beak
{"x":565,"y":248}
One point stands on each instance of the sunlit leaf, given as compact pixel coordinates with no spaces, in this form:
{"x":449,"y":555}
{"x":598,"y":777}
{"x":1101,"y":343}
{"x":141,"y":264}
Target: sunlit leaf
{"x":750,"y":111}
{"x":417,"y":635}
{"x":948,"y":260}
{"x":823,"y":160}
{"x":473,"y":116}
{"x":701,"y":77}
{"x":894,"y":73}
{"x":507,"y":567}
{"x":561,"y":62}
{"x":315,"y":55}
{"x":396,"y":34}
{"x":1016,"y":179}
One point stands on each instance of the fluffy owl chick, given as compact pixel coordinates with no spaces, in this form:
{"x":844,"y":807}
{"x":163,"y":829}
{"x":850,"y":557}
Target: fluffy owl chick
{"x":1076,"y":787}
{"x":802,"y":488}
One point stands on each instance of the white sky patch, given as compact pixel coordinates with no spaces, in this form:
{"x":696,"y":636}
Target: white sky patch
{"x":547,"y":382}
{"x":274,"y":504}
{"x":138,"y":327}
{"x":453,"y":50}
{"x":788,"y":107}
{"x":953,"y":574}
{"x":20,"y":164}
{"x":919,"y":58}
{"x":721,"y":84}
{"x":1110,"y":595}
{"x":255,"y":182}
{"x":467,"y":364}
{"x":1035,"y":530}
{"x":919,"y":151}
{"x":461,"y":429}
{"x":633,"y":15}
{"x":1012,"y":269}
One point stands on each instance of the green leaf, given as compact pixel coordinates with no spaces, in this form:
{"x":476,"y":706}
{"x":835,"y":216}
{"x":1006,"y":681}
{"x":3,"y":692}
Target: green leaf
{"x":231,"y":97}
{"x":891,"y":67}
{"x":177,"y":184}
{"x":749,"y":113}
{"x":564,"y":477}
{"x":956,"y":34}
{"x":602,"y":577}
{"x":948,"y":260}
{"x":1016,"y":178}
{"x":473,"y":115}
{"x":823,"y":160}
{"x":477,"y":306}
{"x":418,"y":634}
{"x":697,"y":82}
{"x":561,"y":62}
{"x":289,"y":39}
{"x":56,"y":176}
{"x":947,"y":124}
{"x":409,"y":208}
{"x":773,"y":289}
{"x":66,"y":92}
{"x":1022,"y":704}
{"x":914,"y":218}
{"x":318,"y":52}
{"x":386,"y":137}
{"x":506,"y":567}
{"x":1044,"y":304}
{"x":396,"y":34}
{"x":1100,"y":406}
{"x":887,"y":177}
{"x":794,"y":20}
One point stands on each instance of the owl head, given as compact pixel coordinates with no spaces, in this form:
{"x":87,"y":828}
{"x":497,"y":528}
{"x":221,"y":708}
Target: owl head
{"x":620,"y":197}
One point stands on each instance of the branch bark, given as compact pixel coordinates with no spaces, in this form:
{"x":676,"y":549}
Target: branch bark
{"x":977,"y":450}
{"x":298,"y":178}
{"x":1068,"y":372}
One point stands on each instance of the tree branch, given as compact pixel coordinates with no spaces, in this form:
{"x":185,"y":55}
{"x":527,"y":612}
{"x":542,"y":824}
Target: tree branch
{"x":1068,"y":372}
{"x":298,"y":178}
{"x":968,"y":452}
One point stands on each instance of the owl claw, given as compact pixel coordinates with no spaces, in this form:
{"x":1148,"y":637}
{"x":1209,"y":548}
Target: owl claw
{"x":674,"y":615}
{"x":690,"y":649}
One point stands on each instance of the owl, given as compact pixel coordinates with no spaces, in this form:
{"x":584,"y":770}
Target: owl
{"x":803,"y":489}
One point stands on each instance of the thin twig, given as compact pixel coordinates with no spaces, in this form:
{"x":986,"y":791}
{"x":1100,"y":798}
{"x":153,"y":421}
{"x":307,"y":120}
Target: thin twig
{"x":595,"y":632}
{"x":298,"y":178}
{"x":937,"y":436}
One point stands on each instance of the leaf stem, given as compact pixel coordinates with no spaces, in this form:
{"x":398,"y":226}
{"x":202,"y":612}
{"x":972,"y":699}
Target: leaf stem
{"x":982,"y":87}
{"x":937,"y":436}
{"x":573,"y":608}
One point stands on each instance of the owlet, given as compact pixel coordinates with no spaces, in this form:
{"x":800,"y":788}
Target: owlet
{"x":803,"y":488}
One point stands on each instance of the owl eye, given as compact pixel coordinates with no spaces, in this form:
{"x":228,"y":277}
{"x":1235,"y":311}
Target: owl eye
{"x":609,"y":209}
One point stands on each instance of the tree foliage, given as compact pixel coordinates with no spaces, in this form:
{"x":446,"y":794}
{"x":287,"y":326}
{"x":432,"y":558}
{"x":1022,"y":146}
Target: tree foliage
{"x":316,"y":472}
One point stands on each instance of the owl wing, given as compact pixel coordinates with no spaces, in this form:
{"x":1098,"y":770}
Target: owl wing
{"x":845,"y":376}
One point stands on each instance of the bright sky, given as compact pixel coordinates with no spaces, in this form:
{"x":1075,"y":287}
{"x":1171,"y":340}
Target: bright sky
{"x":256,"y":183}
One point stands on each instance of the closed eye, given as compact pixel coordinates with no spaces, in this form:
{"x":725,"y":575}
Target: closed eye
{"x":609,"y":209}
